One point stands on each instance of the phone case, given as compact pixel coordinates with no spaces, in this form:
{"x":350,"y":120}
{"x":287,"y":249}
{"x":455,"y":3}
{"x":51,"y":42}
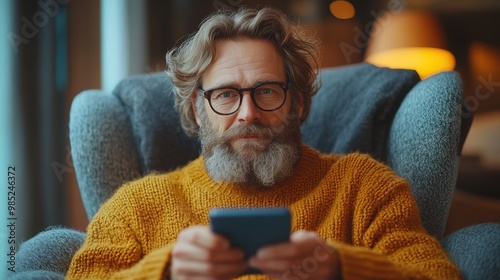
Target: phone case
{"x":251,"y":228}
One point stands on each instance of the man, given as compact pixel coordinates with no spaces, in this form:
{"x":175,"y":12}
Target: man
{"x":243,"y":83}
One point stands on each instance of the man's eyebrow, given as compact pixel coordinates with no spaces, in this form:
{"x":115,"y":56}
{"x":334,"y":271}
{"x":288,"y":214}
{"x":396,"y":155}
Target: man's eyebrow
{"x":235,"y":85}
{"x":226,"y":84}
{"x":268,"y":81}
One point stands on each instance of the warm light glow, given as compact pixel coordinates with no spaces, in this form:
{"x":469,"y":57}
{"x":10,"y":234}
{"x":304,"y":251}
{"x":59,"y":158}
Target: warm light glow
{"x":412,"y":39}
{"x":426,"y":61}
{"x":342,"y":9}
{"x":484,"y":61}
{"x":405,"y":30}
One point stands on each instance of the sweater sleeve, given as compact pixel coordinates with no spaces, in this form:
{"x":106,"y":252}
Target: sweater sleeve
{"x":112,"y":251}
{"x":389,"y":241}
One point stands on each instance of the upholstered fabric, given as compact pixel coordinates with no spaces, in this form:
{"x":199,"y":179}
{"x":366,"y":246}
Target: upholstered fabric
{"x":118,"y":137}
{"x":48,"y":254}
{"x":100,"y":135}
{"x":158,"y":136}
{"x":354,"y":108}
{"x":37,"y":275}
{"x":476,"y":251}
{"x":423,"y":144}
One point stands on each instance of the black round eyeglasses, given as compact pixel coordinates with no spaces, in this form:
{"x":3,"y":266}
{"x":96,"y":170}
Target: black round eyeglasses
{"x":267,"y":96}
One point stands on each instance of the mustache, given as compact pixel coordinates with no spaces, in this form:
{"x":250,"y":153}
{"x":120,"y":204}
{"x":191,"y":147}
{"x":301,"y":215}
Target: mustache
{"x":259,"y":130}
{"x":211,"y":139}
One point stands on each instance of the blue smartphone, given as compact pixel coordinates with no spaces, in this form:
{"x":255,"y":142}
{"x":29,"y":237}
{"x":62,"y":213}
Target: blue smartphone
{"x":251,"y":228}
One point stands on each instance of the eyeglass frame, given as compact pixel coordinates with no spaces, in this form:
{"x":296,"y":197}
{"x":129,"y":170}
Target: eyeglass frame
{"x":207,"y":94}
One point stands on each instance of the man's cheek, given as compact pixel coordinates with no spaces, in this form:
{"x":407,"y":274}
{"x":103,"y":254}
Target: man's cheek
{"x":279,"y":118}
{"x":220,"y":125}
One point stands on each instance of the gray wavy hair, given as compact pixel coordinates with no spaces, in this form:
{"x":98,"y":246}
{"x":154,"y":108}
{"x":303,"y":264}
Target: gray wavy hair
{"x":187,"y":63}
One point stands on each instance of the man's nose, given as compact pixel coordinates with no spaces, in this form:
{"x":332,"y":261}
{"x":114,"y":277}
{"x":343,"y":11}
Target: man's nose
{"x":248,"y":112}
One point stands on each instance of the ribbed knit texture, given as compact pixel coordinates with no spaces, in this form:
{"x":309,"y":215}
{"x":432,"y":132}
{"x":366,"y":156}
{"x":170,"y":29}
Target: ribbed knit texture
{"x":358,"y":205}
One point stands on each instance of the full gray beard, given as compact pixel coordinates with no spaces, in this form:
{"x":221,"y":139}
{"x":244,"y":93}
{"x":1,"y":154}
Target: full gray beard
{"x":259,"y":165}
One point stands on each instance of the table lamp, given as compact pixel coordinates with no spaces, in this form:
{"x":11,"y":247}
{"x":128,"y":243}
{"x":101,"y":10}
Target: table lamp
{"x":409,"y":39}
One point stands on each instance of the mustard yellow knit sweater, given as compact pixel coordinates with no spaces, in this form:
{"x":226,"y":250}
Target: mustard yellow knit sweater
{"x":355,"y":203}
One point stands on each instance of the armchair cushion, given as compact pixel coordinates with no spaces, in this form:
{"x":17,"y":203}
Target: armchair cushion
{"x":423,"y":145}
{"x":159,"y":138}
{"x":102,"y":149}
{"x":118,"y":137}
{"x":476,"y":251}
{"x":354,"y":109}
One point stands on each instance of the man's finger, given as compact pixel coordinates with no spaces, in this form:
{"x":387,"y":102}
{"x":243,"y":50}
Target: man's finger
{"x":301,"y":244}
{"x":282,"y":250}
{"x":203,"y":237}
{"x":304,"y":236}
{"x":273,"y":266}
{"x":208,"y":270}
{"x":189,"y":251}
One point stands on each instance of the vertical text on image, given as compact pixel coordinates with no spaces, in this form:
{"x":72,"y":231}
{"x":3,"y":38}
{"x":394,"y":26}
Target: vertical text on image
{"x":11,"y":218}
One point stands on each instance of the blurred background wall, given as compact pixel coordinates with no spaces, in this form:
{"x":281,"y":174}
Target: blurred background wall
{"x":53,"y":49}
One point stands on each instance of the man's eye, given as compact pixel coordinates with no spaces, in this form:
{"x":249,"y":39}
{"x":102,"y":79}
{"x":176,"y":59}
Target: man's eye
{"x":225,"y":94}
{"x":266,"y":91}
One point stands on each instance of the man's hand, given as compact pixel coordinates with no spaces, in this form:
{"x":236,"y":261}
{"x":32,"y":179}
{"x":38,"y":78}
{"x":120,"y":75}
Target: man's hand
{"x":201,"y":254}
{"x":306,"y":256}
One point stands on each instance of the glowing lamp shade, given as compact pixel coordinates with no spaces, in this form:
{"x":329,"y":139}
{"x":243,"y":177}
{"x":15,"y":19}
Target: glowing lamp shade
{"x":426,"y":61}
{"x":409,"y":40}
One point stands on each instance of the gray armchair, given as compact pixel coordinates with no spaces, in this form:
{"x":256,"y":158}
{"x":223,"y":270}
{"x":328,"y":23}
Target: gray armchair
{"x":414,"y":126}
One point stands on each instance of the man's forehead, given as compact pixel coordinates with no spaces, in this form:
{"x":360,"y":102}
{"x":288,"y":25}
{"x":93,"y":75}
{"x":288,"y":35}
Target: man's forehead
{"x":244,"y":50}
{"x":244,"y":59}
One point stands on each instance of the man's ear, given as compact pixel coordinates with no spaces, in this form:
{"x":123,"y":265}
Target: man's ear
{"x":195,"y":110}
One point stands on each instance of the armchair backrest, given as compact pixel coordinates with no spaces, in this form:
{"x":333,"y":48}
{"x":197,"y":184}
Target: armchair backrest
{"x":425,"y":143}
{"x":412,"y":126}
